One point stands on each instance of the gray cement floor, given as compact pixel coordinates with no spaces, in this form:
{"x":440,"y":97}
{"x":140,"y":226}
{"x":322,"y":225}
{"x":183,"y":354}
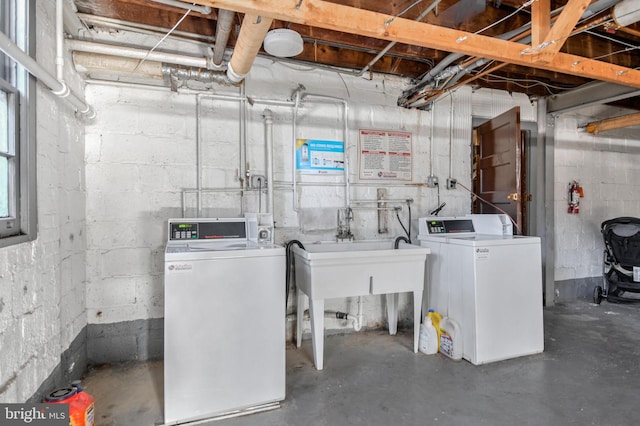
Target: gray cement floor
{"x":589,"y":374}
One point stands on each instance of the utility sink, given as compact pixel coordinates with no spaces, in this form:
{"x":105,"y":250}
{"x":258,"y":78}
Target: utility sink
{"x":328,"y":270}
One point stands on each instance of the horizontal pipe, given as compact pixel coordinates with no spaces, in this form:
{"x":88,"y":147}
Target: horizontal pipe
{"x":141,"y":28}
{"x":130,"y":52}
{"x":205,"y":10}
{"x":14,"y":52}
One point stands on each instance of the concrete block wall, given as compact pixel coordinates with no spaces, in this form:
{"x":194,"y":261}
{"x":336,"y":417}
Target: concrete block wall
{"x":42,"y":282}
{"x":137,"y":169}
{"x":607,"y":166}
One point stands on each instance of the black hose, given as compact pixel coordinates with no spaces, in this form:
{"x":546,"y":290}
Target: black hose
{"x":288,"y":273}
{"x":408,"y":233}
{"x":396,"y":243}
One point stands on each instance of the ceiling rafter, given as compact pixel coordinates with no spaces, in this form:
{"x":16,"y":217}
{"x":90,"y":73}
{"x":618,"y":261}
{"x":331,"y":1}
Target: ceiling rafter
{"x":323,"y":14}
{"x":561,"y":30}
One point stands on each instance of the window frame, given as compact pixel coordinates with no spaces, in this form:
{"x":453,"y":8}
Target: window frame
{"x":19,"y":25}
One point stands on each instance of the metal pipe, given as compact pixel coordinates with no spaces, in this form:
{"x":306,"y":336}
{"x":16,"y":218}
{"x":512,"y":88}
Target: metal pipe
{"x":141,"y":28}
{"x":345,"y":130}
{"x":35,"y":69}
{"x":386,"y":200}
{"x":205,"y":10}
{"x":244,"y":167}
{"x":268,"y":130}
{"x":223,"y":29}
{"x":393,"y":43}
{"x":130,"y":52}
{"x":72,"y":23}
{"x":198,"y":156}
{"x":294,"y":180}
{"x":59,"y":42}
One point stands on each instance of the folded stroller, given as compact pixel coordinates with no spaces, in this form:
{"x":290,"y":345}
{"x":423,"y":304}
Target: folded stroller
{"x":621,"y":269}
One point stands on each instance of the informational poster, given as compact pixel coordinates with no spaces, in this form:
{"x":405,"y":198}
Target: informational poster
{"x":385,"y":155}
{"x":319,"y":157}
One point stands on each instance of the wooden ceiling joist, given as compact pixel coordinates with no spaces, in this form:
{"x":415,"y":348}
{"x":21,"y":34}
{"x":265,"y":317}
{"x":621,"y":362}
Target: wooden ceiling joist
{"x":555,"y":38}
{"x":597,"y":127}
{"x":333,"y":16}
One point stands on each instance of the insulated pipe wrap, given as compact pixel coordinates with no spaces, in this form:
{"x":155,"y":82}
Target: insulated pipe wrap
{"x":252,"y":33}
{"x":626,"y":12}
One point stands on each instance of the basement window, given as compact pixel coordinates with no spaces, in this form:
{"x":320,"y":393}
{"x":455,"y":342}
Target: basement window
{"x":18,"y":215}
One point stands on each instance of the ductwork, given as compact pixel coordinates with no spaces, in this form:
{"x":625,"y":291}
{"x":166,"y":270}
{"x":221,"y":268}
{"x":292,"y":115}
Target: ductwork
{"x":223,"y":29}
{"x":254,"y":29}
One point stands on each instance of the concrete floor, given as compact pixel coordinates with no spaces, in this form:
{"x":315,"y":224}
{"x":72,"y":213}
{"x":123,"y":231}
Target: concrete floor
{"x":589,"y":374}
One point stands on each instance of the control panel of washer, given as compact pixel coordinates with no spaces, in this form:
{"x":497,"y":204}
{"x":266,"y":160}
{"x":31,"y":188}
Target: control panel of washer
{"x":212,"y":229}
{"x":449,"y":226}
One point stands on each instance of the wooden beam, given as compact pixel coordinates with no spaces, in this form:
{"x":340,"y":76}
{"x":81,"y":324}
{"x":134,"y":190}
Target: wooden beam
{"x":554,"y":39}
{"x":324,"y":14}
{"x":540,"y":21}
{"x":597,"y":127}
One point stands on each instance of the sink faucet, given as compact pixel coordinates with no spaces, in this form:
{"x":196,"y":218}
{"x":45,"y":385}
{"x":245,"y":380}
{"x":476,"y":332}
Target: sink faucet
{"x":345,"y":216}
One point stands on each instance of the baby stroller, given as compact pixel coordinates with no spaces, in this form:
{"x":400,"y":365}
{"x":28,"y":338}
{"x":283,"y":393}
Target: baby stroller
{"x":621,"y":269}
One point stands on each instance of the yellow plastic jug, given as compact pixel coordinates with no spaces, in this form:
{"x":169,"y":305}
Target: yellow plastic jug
{"x":436,"y":317}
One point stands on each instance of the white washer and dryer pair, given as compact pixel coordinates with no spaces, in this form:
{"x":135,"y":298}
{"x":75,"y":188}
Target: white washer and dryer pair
{"x":487,"y":280}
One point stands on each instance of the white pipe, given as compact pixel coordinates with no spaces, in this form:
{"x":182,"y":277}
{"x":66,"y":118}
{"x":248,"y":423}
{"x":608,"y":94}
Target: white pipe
{"x":332,"y":99}
{"x":244,"y":168}
{"x":294,"y":179}
{"x":268,"y":136}
{"x":205,"y":10}
{"x":59,"y":40}
{"x":141,"y":28}
{"x":130,"y":52}
{"x":198,"y":156}
{"x":626,"y":12}
{"x":72,"y":23}
{"x":64,"y":91}
{"x":35,"y":69}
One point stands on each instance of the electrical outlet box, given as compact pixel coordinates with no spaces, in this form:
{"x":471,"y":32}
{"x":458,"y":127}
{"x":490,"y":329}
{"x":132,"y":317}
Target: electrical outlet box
{"x":451,"y":183}
{"x":258,"y":182}
{"x":432,"y":181}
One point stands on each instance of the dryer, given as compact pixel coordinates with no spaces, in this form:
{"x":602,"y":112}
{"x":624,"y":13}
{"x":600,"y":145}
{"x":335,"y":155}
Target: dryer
{"x":490,"y":283}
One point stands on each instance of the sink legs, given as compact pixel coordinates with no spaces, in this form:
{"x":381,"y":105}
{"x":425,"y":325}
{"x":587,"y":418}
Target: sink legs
{"x":392,"y":312}
{"x":316,"y":312}
{"x":417,"y":313}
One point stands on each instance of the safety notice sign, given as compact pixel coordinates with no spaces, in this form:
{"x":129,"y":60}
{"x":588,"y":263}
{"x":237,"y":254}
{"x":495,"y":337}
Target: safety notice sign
{"x":385,"y":155}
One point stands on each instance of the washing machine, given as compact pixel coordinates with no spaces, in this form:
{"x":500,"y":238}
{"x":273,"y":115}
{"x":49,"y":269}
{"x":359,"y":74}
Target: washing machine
{"x":224,"y":325}
{"x":490,"y":283}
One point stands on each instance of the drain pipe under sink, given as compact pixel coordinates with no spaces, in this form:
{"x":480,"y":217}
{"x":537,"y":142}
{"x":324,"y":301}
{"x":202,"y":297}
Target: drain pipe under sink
{"x":355,"y":319}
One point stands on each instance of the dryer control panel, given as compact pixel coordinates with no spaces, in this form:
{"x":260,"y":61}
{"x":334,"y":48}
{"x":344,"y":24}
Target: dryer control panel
{"x":209,"y":229}
{"x":444,"y":226}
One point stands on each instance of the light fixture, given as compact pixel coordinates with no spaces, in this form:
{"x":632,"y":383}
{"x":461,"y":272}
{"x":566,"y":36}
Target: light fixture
{"x":283,"y":43}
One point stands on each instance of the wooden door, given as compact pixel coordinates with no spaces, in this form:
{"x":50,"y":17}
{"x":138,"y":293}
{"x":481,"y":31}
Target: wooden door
{"x":499,"y":175}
